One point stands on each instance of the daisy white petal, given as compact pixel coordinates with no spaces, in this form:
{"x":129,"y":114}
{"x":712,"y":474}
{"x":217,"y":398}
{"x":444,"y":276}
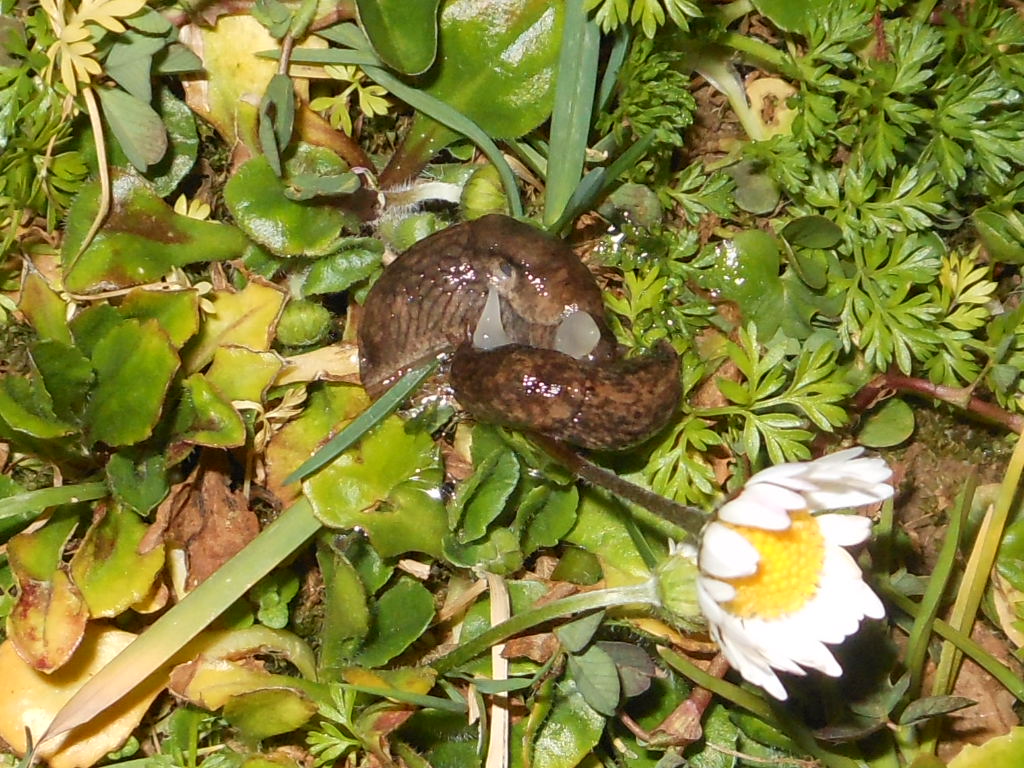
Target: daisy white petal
{"x":728,"y":554}
{"x":845,"y":530}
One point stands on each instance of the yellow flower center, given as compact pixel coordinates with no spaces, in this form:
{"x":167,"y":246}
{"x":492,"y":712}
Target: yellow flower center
{"x":788,"y":572}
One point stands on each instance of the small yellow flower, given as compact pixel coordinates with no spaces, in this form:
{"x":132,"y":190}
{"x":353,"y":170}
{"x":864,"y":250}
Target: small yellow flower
{"x":776,"y":584}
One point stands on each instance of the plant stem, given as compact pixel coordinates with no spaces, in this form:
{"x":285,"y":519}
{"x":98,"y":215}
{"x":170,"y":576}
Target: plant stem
{"x":644,"y":593}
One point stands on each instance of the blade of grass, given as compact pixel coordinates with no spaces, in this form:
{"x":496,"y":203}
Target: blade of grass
{"x":1006,"y":677}
{"x":917,"y":644}
{"x":575,"y":81}
{"x":595,"y":183}
{"x":169,"y":634}
{"x":36,"y":501}
{"x":976,"y":577}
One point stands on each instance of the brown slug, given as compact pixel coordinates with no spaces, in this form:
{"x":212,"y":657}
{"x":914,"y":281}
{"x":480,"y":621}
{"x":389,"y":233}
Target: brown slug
{"x":525,"y":320}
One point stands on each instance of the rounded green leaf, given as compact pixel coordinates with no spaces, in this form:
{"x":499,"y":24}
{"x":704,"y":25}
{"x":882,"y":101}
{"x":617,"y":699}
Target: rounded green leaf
{"x":812,"y":232}
{"x":596,"y":679}
{"x":205,"y":417}
{"x":177,"y":312}
{"x":268,"y":712}
{"x":400,"y":616}
{"x":402,"y":32}
{"x":1007,"y":750}
{"x":134,"y":363}
{"x":890,"y":425}
{"x":258,"y":201}
{"x":386,"y":485}
{"x":108,"y":569}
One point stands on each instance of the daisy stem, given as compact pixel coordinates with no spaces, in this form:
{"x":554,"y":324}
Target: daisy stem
{"x":644,"y":593}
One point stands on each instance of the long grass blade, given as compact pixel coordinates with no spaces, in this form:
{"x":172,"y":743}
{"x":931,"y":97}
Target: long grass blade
{"x":169,"y":634}
{"x":575,"y":82}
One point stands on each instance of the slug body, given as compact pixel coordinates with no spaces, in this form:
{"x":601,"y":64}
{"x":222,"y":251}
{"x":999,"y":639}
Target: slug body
{"x":524,"y":322}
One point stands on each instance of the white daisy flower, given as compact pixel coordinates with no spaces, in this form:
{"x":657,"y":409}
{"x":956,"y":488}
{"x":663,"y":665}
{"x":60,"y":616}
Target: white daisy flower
{"x":775,"y":583}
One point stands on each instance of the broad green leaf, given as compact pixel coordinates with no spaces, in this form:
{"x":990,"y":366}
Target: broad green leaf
{"x":483,"y":496}
{"x":138,"y":478}
{"x":268,"y":712}
{"x":600,"y":530}
{"x":570,"y":731}
{"x":176,"y":312}
{"x":205,"y":417}
{"x":399,"y":616}
{"x":257,"y":199}
{"x":747,"y":272}
{"x":44,"y":308}
{"x":134,"y":365}
{"x":341,"y":270}
{"x":576,"y":635}
{"x":246,"y":318}
{"x":49,"y":617}
{"x":141,"y":240}
{"x":27,"y":408}
{"x":890,"y":425}
{"x":92,"y":324}
{"x":136,"y":125}
{"x":385,"y":485}
{"x":792,"y":15}
{"x":180,"y":122}
{"x":1007,"y":750}
{"x":496,"y":66}
{"x":108,"y":569}
{"x":402,"y":32}
{"x":239,"y":373}
{"x":551,"y":515}
{"x":497,"y":552}
{"x":130,"y":62}
{"x":67,"y":376}
{"x":812,"y":232}
{"x":596,"y":679}
{"x":346,"y":611}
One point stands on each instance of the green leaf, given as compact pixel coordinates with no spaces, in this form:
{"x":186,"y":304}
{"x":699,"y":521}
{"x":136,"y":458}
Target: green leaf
{"x":792,"y":15}
{"x":130,"y":61}
{"x":136,"y":125}
{"x":27,"y":408}
{"x":812,"y":232}
{"x":924,"y":709}
{"x":134,"y":365}
{"x":176,"y":312}
{"x":239,"y":373}
{"x":267,"y":712}
{"x":482,"y":498}
{"x":141,"y":241}
{"x":569,"y":733}
{"x":400,"y":616}
{"x":44,"y":308}
{"x":1007,"y":749}
{"x":597,"y":679}
{"x":337,"y":273}
{"x":67,"y":376}
{"x":205,"y":417}
{"x":346,"y":611}
{"x":576,"y":635}
{"x":108,"y":569}
{"x":550,"y":513}
{"x":259,"y":202}
{"x":496,"y":66}
{"x":402,"y":32}
{"x":890,"y":425}
{"x":277,"y":119}
{"x":138,"y":479}
{"x":386,"y":485}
